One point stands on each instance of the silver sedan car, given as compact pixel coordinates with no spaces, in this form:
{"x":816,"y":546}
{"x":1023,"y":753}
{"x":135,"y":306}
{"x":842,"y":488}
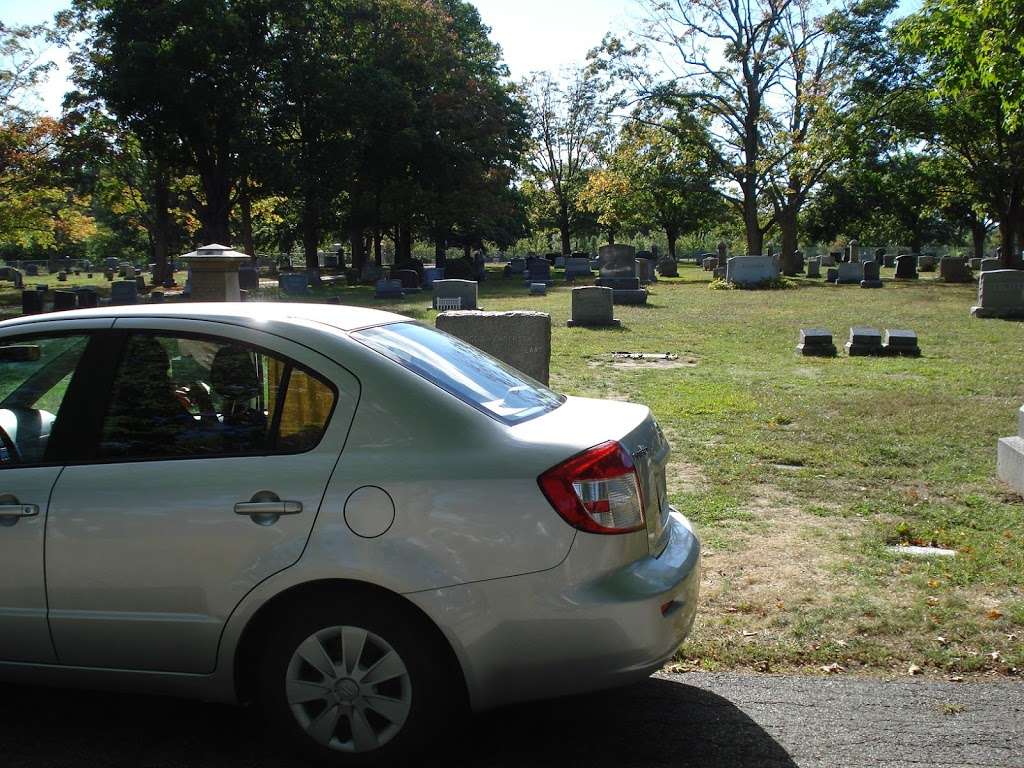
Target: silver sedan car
{"x":359,"y":522}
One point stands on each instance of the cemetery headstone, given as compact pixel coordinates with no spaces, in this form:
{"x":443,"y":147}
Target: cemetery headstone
{"x":538,"y":289}
{"x":32,"y":270}
{"x":1000,"y":294}
{"x":593,"y":305}
{"x":751,"y":271}
{"x":871,"y":276}
{"x":953,"y":270}
{"x":975,"y":263}
{"x":849,"y":273}
{"x":710,"y":263}
{"x":430,"y":274}
{"x":15,"y":276}
{"x":248,"y":277}
{"x":853,"y":251}
{"x":816,"y":342}
{"x":124,"y":292}
{"x":645,"y":271}
{"x":906,"y":267}
{"x":723,"y":252}
{"x":157,"y":297}
{"x":87,"y":298}
{"x":521,"y":339}
{"x":409,"y":278}
{"x":388,"y":289}
{"x":1010,"y":457}
{"x":864,"y":341}
{"x":900,"y":343}
{"x":667,"y":267}
{"x":64,"y":300}
{"x":32,"y":302}
{"x":140,"y":281}
{"x":293,"y":283}
{"x":926,"y":262}
{"x":464,"y":290}
{"x":831,"y":274}
{"x":108,"y":274}
{"x":577,"y":266}
{"x":814,"y":267}
{"x":62,"y":277}
{"x":988,"y":264}
{"x":516,"y":266}
{"x":539,"y":271}
{"x":828,"y":259}
{"x":618,"y":272}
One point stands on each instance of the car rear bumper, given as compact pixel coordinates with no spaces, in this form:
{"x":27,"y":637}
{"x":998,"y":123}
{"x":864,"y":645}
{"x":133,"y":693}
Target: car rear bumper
{"x":571,"y":629}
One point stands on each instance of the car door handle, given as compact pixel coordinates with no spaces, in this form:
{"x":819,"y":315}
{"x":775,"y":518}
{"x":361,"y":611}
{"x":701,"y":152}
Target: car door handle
{"x":275,"y":508}
{"x":19,"y":510}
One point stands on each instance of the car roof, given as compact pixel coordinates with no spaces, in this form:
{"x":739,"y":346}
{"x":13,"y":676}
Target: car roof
{"x":342,"y":317}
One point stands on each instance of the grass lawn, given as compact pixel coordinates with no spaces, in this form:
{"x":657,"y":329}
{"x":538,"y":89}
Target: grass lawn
{"x":798,"y":472}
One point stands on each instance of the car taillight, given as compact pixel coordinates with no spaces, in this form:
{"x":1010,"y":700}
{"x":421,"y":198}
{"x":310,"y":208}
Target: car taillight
{"x":597,"y":490}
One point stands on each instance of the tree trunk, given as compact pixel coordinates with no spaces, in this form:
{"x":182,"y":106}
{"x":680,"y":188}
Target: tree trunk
{"x":355,"y":239}
{"x":440,"y":252}
{"x":611,"y":237}
{"x":788,"y":232}
{"x":465,"y":252}
{"x":403,"y":247}
{"x":311,"y":239}
{"x":755,"y":240}
{"x":245,"y":209}
{"x":161,"y":227}
{"x":671,"y":236}
{"x":215,"y":213}
{"x":563,"y":228}
{"x":978,"y":236}
{"x":378,"y":255}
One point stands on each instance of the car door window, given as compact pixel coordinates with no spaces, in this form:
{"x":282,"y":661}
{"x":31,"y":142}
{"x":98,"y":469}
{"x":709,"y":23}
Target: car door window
{"x":34,"y":377}
{"x":184,"y":396}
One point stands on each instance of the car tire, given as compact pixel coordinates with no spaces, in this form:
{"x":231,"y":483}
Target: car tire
{"x":358,"y":679}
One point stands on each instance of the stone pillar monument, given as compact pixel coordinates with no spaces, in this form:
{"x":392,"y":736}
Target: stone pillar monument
{"x":215,"y":272}
{"x":854,"y":251}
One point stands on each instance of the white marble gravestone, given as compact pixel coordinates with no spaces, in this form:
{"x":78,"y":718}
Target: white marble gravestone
{"x":751,"y":270}
{"x":1000,"y":294}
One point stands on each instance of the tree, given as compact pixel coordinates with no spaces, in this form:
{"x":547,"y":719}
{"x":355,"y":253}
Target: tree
{"x":969,"y":83}
{"x":568,"y":128}
{"x":185,"y":77}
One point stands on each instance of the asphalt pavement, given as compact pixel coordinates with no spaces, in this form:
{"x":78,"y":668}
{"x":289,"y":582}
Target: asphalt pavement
{"x":706,"y":720}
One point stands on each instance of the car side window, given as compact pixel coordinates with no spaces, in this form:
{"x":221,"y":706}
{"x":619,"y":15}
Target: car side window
{"x":185,"y":397}
{"x":34,"y":378}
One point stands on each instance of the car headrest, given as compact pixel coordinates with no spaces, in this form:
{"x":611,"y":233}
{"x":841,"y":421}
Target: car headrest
{"x":233,"y":373}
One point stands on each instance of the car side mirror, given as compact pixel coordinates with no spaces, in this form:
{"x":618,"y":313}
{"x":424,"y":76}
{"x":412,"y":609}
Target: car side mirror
{"x":19,"y":353}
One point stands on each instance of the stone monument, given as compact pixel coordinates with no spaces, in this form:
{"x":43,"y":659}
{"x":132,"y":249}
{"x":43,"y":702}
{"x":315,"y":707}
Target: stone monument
{"x":215,"y":272}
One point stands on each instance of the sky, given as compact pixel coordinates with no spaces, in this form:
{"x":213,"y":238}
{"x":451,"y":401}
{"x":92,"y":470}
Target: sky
{"x":534,"y":34}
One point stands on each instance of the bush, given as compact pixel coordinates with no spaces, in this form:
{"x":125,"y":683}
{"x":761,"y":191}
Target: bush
{"x":778,"y":284}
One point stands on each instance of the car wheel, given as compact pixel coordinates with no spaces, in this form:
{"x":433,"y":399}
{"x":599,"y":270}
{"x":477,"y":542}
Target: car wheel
{"x":358,"y":684}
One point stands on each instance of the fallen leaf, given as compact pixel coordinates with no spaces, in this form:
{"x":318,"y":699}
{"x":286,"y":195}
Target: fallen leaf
{"x":914,"y":670}
{"x":941,"y":640}
{"x":933,"y":600}
{"x":994,"y":614}
{"x":955,"y":679}
{"x":832,"y":669}
{"x":994,"y":656}
{"x":933,"y":583}
{"x":749,"y":633}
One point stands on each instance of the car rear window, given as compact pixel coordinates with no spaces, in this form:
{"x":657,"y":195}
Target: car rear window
{"x":463,"y":370}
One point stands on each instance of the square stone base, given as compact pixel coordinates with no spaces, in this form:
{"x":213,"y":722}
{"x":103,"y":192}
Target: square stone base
{"x":870,"y":283}
{"x":638,"y":296}
{"x":1010,"y":462}
{"x":1010,"y":314}
{"x":862,"y":350}
{"x":891,"y":351}
{"x":816,"y":350}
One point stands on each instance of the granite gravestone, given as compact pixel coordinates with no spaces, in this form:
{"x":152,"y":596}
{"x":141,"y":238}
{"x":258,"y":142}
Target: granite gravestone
{"x":751,"y":271}
{"x":463,"y":290}
{"x":864,"y":341}
{"x":988,"y":264}
{"x":926,"y":262}
{"x":831,"y":274}
{"x":618,"y":272}
{"x":849,"y":273}
{"x":593,"y":305}
{"x":954,"y":270}
{"x":1010,"y":457}
{"x":32,"y":302}
{"x":409,"y":278}
{"x":64,"y":300}
{"x":710,"y":263}
{"x":1000,"y":294}
{"x":521,"y":339}
{"x":900,"y":343}
{"x":388,"y":289}
{"x":516,"y":266}
{"x":577,"y":266}
{"x":814,"y":267}
{"x":667,"y":267}
{"x":539,"y":271}
{"x":645,"y":271}
{"x":124,"y":292}
{"x":538,"y":289}
{"x":906,"y":267}
{"x":816,"y":342}
{"x":431,"y":274}
{"x":293,"y":283}
{"x":871,"y":277}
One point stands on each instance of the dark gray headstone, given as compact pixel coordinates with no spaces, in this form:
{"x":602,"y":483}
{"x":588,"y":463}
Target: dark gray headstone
{"x":871,"y":277}
{"x":816,"y":342}
{"x":124,"y":292}
{"x":593,"y":305}
{"x":32,"y":302}
{"x":906,"y":267}
{"x":901,"y":343}
{"x":64,"y":300}
{"x":294,"y":283}
{"x":617,"y":260}
{"x":864,"y":341}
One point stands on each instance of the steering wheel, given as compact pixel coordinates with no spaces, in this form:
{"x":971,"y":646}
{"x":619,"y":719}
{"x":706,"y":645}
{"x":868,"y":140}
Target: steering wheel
{"x":9,"y":453}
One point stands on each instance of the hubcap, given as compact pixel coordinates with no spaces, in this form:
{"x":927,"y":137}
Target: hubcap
{"x":348,"y":689}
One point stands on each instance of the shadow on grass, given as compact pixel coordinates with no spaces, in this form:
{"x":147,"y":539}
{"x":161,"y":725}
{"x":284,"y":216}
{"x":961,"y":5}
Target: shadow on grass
{"x":656,"y":722}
